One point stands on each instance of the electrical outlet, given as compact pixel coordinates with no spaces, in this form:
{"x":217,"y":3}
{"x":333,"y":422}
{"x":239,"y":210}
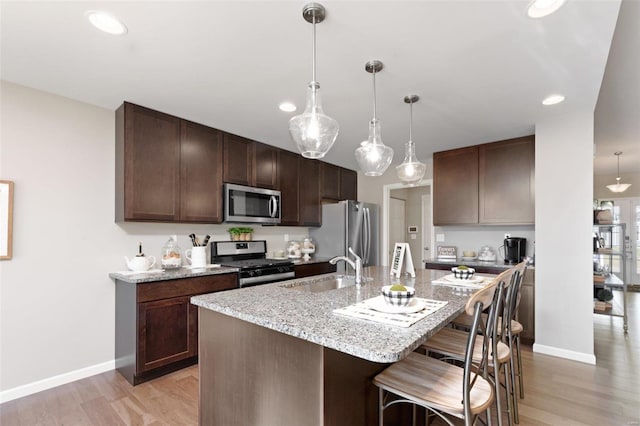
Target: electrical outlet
{"x":439,"y":238}
{"x":175,"y":238}
{"x":507,"y":235}
{"x":286,"y":237}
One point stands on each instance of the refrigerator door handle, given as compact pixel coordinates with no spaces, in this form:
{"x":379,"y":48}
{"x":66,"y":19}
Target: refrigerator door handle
{"x":367,"y":233}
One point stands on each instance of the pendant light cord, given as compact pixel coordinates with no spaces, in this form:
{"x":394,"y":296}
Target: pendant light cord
{"x":410,"y":122}
{"x":374,"y":95}
{"x":313,"y":61}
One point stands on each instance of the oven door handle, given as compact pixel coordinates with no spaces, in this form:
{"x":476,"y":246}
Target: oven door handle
{"x":270,"y":278}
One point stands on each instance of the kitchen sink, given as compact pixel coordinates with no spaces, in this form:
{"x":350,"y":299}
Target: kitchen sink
{"x":325,"y":284}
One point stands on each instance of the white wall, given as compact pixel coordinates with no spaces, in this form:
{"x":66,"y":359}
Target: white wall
{"x":56,"y":300}
{"x":564,"y":199}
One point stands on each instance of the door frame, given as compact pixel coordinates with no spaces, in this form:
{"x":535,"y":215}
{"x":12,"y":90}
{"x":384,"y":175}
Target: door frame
{"x":424,"y":225}
{"x":386,"y":194}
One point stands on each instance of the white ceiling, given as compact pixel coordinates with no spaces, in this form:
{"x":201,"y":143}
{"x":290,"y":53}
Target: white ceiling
{"x":481,"y":68}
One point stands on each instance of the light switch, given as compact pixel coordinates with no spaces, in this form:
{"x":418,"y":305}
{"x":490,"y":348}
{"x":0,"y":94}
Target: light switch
{"x":439,"y":238}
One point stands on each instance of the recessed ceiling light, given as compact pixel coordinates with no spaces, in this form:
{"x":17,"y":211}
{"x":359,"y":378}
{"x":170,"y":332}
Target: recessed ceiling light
{"x":541,"y":8}
{"x":287,"y":107}
{"x":553,"y":99}
{"x":106,"y":22}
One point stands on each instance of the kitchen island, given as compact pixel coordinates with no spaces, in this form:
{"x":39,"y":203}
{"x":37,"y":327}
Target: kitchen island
{"x":277,"y":354}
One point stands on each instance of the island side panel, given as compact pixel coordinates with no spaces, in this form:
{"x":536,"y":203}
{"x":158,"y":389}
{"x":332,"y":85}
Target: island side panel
{"x":125,"y":335}
{"x":250,"y":375}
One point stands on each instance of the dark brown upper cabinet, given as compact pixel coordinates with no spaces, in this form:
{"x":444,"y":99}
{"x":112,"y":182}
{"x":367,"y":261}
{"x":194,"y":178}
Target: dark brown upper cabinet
{"x":200,"y":173}
{"x":329,"y":181}
{"x":488,"y":184}
{"x":310,"y":206}
{"x":238,"y":160}
{"x":348,"y":184}
{"x":265,"y":166}
{"x":288,"y":180}
{"x":147,"y":165}
{"x":167,"y":169}
{"x":455,"y":186}
{"x":507,"y":182}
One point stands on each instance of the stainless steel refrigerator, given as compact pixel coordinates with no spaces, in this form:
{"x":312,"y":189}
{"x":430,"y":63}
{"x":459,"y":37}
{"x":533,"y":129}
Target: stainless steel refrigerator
{"x":348,"y":224}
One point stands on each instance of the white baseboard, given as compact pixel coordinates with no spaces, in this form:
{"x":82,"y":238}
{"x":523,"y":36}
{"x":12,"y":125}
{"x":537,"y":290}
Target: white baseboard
{"x":565,"y":353}
{"x":52,"y":382}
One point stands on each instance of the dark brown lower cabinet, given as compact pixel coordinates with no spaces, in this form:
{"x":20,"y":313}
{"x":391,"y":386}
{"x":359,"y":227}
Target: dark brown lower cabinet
{"x":310,"y":269}
{"x":157,"y":326}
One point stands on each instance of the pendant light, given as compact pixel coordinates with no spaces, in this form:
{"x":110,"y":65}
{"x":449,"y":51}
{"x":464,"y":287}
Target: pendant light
{"x":411,"y":171}
{"x":313,"y":132}
{"x":618,"y":187}
{"x":373,"y":155}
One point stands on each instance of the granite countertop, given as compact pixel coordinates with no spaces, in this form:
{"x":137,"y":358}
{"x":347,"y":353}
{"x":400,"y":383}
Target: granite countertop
{"x":309,"y":315}
{"x":169,"y":274}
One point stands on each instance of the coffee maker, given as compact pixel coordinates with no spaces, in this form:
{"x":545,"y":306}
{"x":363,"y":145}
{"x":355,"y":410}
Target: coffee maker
{"x":514,"y":249}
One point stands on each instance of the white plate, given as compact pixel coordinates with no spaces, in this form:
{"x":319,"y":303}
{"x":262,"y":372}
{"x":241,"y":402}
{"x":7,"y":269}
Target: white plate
{"x":473,"y":280}
{"x":378,"y":304}
{"x":468,"y":259}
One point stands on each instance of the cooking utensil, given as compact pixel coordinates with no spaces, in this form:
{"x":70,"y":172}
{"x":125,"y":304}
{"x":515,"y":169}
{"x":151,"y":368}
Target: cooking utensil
{"x":206,"y":240}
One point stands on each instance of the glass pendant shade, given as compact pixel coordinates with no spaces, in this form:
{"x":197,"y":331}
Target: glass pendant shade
{"x":411,"y":171}
{"x":373,"y":156}
{"x":313,"y":132}
{"x":618,"y":187}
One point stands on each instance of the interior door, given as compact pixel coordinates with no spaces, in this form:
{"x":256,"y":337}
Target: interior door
{"x":634,"y":243}
{"x":396,"y":224}
{"x":426,"y":228}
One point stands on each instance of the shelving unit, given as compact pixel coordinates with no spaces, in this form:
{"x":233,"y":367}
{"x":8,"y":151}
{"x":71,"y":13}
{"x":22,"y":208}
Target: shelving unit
{"x":612,"y":253}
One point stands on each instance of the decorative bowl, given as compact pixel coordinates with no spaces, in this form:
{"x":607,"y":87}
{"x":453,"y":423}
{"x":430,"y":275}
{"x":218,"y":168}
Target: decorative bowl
{"x":463,"y":272}
{"x":398,"y":298}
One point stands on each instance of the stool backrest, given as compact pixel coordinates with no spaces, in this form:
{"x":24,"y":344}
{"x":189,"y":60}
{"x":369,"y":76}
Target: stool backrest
{"x":490,"y":297}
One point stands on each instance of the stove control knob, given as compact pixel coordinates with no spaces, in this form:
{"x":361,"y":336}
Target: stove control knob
{"x":250,"y":273}
{"x":258,"y":272}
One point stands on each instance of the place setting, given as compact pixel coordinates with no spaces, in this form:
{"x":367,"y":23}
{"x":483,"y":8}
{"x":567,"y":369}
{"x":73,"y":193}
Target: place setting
{"x":463,"y":276}
{"x":396,"y":305}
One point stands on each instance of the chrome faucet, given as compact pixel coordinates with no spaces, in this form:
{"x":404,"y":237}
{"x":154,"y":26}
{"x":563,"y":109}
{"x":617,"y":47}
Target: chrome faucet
{"x":355,"y":264}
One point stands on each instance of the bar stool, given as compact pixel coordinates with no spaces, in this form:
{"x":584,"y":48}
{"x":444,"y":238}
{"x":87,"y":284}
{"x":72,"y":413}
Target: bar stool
{"x":442,"y":388}
{"x":449,"y":343}
{"x":510,"y":333}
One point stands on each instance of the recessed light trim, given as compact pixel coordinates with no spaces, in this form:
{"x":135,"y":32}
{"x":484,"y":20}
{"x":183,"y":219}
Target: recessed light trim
{"x":553,"y":99}
{"x":542,"y":8}
{"x":106,"y":22}
{"x":287,"y":107}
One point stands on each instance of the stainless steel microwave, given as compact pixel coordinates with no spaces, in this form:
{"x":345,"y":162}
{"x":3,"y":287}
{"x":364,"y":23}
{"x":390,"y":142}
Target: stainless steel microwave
{"x":246,"y":204}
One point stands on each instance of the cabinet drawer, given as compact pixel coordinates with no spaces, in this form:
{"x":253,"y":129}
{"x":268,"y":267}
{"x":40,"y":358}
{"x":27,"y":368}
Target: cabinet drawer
{"x":185,"y":287}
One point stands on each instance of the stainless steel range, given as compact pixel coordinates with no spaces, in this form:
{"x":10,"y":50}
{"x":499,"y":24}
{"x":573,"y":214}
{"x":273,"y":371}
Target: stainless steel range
{"x":250,"y":257}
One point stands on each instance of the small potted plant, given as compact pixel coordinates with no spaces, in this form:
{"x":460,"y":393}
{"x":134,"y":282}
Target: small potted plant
{"x":240,"y":233}
{"x":246,"y":233}
{"x":234,"y":234}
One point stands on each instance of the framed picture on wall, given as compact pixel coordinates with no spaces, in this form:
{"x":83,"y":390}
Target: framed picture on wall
{"x":6,"y":219}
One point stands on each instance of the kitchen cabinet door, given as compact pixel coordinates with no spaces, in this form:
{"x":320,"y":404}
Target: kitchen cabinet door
{"x":348,"y":184}
{"x":507,"y":182}
{"x":200,"y":173}
{"x":455,"y":187}
{"x":310,"y":206}
{"x":167,"y":332}
{"x":329,"y":181}
{"x":238,"y":160}
{"x":265,"y":167}
{"x":288,"y":176}
{"x":147,"y":165}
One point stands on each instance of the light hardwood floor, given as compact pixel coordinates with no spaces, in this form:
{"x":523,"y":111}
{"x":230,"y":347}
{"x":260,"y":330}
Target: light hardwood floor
{"x":557,"y":391}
